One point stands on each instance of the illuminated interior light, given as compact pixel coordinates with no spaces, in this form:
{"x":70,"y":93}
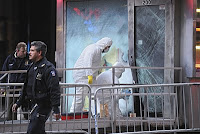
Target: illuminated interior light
{"x":197,"y":47}
{"x":197,"y":65}
{"x":198,"y":10}
{"x":198,"y":29}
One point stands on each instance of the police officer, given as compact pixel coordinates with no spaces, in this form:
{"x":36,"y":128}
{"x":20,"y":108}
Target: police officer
{"x":15,"y":61}
{"x":41,"y":89}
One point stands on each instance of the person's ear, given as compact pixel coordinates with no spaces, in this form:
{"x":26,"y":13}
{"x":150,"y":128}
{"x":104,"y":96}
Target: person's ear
{"x":40,"y":53}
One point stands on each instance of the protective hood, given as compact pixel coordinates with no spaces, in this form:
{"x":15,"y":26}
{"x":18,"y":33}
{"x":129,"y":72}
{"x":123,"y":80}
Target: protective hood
{"x":119,"y":71}
{"x":104,"y":42}
{"x":90,"y":57}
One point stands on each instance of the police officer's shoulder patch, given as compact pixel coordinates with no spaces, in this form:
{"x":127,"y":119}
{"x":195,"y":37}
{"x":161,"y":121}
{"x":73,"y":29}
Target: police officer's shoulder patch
{"x":53,"y":73}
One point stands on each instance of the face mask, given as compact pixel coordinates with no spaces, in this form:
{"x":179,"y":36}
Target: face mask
{"x":106,"y":50}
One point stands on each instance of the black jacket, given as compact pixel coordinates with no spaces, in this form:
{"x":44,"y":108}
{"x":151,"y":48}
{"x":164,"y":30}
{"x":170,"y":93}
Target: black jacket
{"x":45,"y":89}
{"x":14,"y":63}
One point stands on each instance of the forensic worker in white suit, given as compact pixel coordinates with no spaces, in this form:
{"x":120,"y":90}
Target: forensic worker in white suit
{"x":90,"y":57}
{"x":107,"y":78}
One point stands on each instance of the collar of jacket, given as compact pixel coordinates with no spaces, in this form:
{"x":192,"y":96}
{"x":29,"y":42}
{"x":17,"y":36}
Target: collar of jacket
{"x":41,"y":63}
{"x":15,"y":54}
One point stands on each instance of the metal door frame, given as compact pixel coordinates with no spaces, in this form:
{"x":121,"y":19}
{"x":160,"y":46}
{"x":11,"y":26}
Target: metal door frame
{"x":169,"y":34}
{"x":169,"y":42}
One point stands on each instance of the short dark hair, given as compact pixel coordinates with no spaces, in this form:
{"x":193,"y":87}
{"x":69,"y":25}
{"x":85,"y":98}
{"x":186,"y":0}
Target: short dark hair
{"x":40,"y":46}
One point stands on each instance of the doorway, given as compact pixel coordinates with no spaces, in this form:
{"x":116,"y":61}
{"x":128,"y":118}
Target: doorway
{"x":151,"y":45}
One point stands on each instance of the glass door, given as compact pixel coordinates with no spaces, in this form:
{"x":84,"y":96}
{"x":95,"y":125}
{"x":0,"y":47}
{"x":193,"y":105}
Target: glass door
{"x":152,"y":46}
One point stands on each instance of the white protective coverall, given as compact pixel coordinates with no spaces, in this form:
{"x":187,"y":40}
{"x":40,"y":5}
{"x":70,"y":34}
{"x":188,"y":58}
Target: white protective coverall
{"x":90,"y":57}
{"x":107,"y":78}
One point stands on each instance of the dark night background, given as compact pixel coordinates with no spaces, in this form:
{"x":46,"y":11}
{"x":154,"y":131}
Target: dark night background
{"x":27,"y":20}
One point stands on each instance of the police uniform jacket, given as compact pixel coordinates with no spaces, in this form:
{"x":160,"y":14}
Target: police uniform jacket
{"x":13,"y":62}
{"x":41,"y":86}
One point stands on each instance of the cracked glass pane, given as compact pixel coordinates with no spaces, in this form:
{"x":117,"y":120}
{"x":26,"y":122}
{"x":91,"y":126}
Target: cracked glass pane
{"x":149,"y":50}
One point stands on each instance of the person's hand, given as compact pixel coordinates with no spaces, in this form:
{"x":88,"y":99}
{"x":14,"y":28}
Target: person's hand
{"x":57,"y":116}
{"x":90,"y":79}
{"x":14,"y":107}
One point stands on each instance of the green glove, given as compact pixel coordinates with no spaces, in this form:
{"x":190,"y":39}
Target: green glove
{"x":90,"y":79}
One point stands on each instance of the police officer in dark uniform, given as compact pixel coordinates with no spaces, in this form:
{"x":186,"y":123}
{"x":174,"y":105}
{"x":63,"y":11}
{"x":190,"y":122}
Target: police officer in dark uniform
{"x":16,"y":61}
{"x":41,"y":90}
